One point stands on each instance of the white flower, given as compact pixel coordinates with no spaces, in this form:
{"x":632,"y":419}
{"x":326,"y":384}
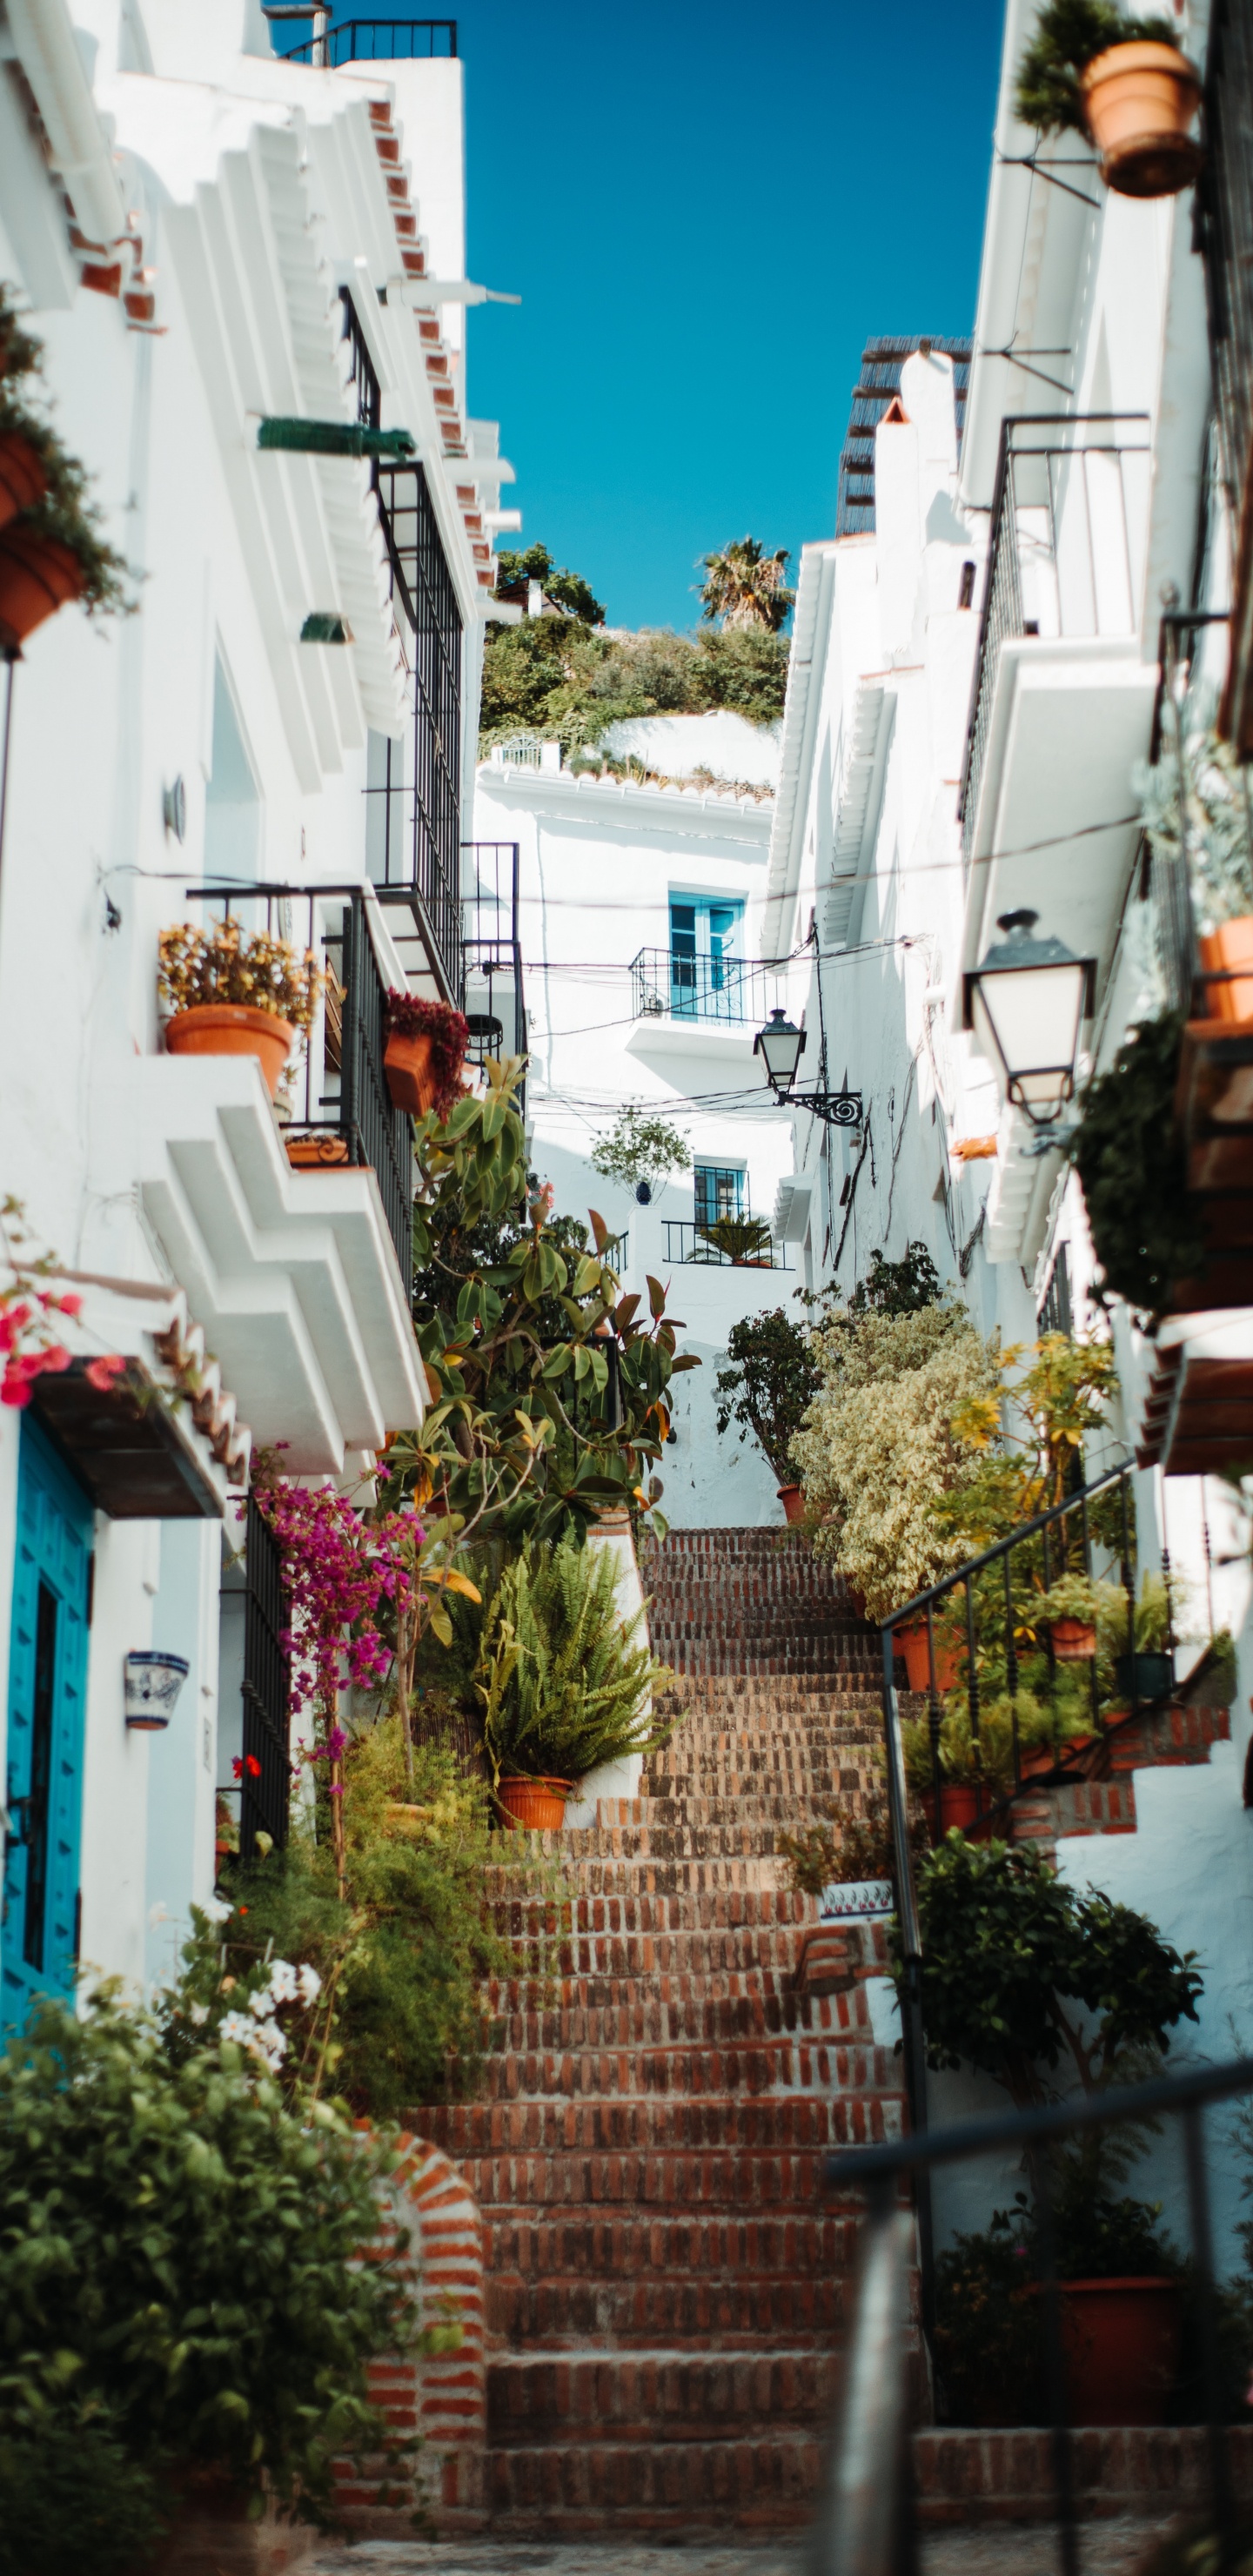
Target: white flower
{"x":261,"y":2003}
{"x":310,"y":1983}
{"x":235,"y":2025}
{"x":282,"y":1981}
{"x":214,"y":1911}
{"x":199,"y":2014}
{"x":267,"y":2042}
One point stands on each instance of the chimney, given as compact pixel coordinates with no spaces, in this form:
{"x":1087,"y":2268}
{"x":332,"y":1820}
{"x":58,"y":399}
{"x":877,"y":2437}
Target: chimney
{"x":535,"y":599}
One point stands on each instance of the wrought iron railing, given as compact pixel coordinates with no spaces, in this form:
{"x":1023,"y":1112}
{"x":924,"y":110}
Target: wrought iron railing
{"x":265,"y":1769}
{"x":866,"y":2520}
{"x":665,"y":985}
{"x":1225,"y":235}
{"x":741,"y":1242}
{"x":421,"y":834}
{"x":380,"y":40}
{"x":491,"y":950}
{"x":340,"y":1110}
{"x":1066,"y":551}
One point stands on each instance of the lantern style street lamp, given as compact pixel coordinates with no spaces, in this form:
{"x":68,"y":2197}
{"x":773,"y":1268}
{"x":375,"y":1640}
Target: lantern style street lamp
{"x":1027,"y":1004}
{"x":781,"y":1046}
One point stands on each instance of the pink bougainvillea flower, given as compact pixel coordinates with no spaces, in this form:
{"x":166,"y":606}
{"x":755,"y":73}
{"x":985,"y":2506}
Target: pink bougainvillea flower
{"x":53,"y":1361}
{"x":15,"y":1386}
{"x":104,"y":1372}
{"x":70,"y":1304}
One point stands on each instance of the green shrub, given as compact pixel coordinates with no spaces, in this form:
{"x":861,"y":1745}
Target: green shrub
{"x":178,"y":2249}
{"x":769,"y":1382}
{"x":562,"y":1683}
{"x":1131,"y":1165}
{"x":1069,"y":34}
{"x":72,"y":2498}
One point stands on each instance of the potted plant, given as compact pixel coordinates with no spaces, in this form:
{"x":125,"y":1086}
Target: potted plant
{"x":563,"y":1685}
{"x":1218,"y":856}
{"x":236,"y":993}
{"x":1069,"y":1610}
{"x":1145,"y":1232}
{"x":744,"y":1241}
{"x":1148,"y":1671}
{"x":640,"y":1152}
{"x":1121,"y":81}
{"x":765,"y":1388}
{"x":51,"y":546}
{"x":424,"y":1053}
{"x":911,"y":1638}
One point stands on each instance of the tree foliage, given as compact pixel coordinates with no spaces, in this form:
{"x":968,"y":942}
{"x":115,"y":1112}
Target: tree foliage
{"x":746,"y":587}
{"x":518,"y":570}
{"x":769,"y":1382}
{"x":1131,"y":1164}
{"x":555,"y":676}
{"x":640,"y":1147}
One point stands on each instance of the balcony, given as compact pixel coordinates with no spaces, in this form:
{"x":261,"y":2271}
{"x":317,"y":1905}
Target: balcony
{"x":491,"y":954}
{"x":290,"y":1227}
{"x":1063,"y":698}
{"x":379,"y":40}
{"x":703,"y":1006}
{"x":739,"y":1242}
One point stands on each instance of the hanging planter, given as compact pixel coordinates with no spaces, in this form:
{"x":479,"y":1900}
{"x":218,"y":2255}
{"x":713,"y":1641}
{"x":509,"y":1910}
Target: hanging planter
{"x":37,"y":576}
{"x":22,"y":478}
{"x":153,"y":1680}
{"x":1074,"y":1641}
{"x":424,"y":1056}
{"x":233,"y":1028}
{"x":1139,"y":101}
{"x":537,"y":1805}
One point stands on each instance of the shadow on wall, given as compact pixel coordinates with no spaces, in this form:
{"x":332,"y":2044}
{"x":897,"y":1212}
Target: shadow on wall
{"x":713,"y":1482}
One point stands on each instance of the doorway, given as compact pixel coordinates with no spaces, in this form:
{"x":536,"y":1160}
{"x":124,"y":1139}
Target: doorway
{"x":47,"y":1700}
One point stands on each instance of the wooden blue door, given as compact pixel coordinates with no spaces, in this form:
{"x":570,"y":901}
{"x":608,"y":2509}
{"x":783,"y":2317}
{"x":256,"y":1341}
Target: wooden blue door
{"x":44,"y":1761}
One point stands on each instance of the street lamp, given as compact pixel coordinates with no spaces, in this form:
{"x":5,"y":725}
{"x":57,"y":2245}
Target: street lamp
{"x":781,"y":1046}
{"x":1027,"y":1003}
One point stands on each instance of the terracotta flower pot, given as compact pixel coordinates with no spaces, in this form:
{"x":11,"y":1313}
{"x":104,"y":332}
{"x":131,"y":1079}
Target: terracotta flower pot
{"x":316,"y":1153}
{"x":1222,"y":949}
{"x":22,"y":478}
{"x":1074,"y":1641}
{"x":407,"y":1064}
{"x":232,"y":1028}
{"x":1121,"y":2341}
{"x":1139,"y":101}
{"x":911,"y":1641}
{"x":793,"y":1502}
{"x":37,"y":576}
{"x":959,"y":1806}
{"x":539,"y":1806}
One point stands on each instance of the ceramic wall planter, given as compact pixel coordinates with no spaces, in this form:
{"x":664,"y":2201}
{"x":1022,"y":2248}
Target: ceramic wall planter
{"x":854,"y":1900}
{"x":37,"y":576}
{"x":232,"y":1028}
{"x":1139,"y":101}
{"x":538,"y":1805}
{"x":22,"y":478}
{"x":1074,"y":1641}
{"x":152,"y":1682}
{"x":407,"y":1064}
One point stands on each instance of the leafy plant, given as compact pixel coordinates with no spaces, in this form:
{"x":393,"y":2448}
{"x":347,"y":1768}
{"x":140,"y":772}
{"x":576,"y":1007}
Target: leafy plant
{"x":745,"y":1240}
{"x":1069,"y":34}
{"x":523,"y":1437}
{"x":516,"y":571}
{"x":181,"y":2251}
{"x":221,"y":962}
{"x":562,"y":1682}
{"x":75,"y":2498}
{"x":1131,"y":1165}
{"x":411,"y":1015}
{"x":1073,"y":1596}
{"x":641,"y":1150}
{"x":1009,"y":1949}
{"x":987,"y":2325}
{"x":562,"y":680}
{"x":64,"y":510}
{"x":746,"y":587}
{"x":770,"y":1379}
{"x":901,"y":1287}
{"x":843,"y":1847}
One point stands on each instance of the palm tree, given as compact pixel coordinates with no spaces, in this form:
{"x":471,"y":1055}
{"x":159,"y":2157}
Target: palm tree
{"x":745,"y":587}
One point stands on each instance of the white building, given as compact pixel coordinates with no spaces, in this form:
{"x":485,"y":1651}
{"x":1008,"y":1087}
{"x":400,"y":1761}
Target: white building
{"x":208,"y":237}
{"x":642,"y":909}
{"x":976,"y":673}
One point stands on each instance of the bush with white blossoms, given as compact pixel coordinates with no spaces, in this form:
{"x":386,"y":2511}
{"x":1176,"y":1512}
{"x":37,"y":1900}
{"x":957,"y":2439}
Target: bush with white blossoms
{"x":247,"y":2011}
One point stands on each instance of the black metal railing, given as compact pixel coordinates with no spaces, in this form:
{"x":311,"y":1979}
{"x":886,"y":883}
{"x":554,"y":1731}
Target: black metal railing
{"x":491,"y":952}
{"x":1066,"y":551}
{"x":666,"y":985}
{"x":1224,"y":232}
{"x":265,"y":1772}
{"x":420,"y":838}
{"x":740,"y":1242}
{"x":361,"y":371}
{"x":380,"y":40}
{"x":339,"y":1108}
{"x":866,"y":2521}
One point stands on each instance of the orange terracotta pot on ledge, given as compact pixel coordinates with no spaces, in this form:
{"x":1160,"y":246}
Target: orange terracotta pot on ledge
{"x":793,"y":1502}
{"x":538,"y":1805}
{"x":1222,"y":950}
{"x":233,"y":1028}
{"x":1139,"y":101}
{"x":407,"y":1064}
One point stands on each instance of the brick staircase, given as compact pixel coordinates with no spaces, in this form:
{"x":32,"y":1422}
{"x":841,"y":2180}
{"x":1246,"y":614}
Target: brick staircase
{"x":665,"y":2280}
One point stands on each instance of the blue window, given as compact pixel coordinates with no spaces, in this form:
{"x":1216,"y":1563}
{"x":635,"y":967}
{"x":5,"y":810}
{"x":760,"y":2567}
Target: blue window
{"x":719,"y":1192}
{"x":47,"y":1697}
{"x":706,"y":969}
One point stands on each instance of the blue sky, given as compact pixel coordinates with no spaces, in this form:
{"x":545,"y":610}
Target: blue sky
{"x":707,"y":209}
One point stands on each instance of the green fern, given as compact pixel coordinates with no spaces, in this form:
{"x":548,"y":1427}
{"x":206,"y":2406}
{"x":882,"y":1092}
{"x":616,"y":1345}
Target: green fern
{"x":563,"y":1684}
{"x":1069,"y":34}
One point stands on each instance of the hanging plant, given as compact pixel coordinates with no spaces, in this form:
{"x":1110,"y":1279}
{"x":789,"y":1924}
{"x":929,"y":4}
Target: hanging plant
{"x":425,"y":1054}
{"x":52,"y":544}
{"x":1131,"y":1166}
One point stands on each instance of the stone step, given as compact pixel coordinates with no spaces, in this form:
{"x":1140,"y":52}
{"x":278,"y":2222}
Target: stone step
{"x":666,"y":2022}
{"x":652,"y":2397}
{"x":660,"y":2126}
{"x":762,"y":2484}
{"x":790,"y":2065}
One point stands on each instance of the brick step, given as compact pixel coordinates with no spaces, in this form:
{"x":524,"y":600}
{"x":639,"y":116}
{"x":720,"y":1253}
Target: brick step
{"x":813,"y":1696}
{"x":792,"y":2065}
{"x":669,"y":2184}
{"x":654,"y":1842}
{"x":766,"y":2484}
{"x":717,"y":1877}
{"x":608,"y":1968}
{"x":655,"y":2397}
{"x":656,"y":2022}
{"x":720,"y":2127}
{"x":630,"y":1907}
{"x":728,"y":2310}
{"x":762,"y":1799}
{"x":628,"y":2251}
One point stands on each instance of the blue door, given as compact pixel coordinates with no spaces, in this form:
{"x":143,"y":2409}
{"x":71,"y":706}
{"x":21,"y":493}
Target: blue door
{"x":47,"y":1695}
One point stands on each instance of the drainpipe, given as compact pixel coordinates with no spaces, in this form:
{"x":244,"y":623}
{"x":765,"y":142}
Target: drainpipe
{"x":53,"y":65}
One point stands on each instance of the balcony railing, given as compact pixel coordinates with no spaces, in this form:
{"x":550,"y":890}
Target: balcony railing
{"x":491,"y":952}
{"x":1066,"y":553}
{"x":734,"y":990}
{"x":380,"y":40}
{"x":740,"y":1242}
{"x":265,"y":1773}
{"x":340,"y":1108}
{"x":1225,"y":226}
